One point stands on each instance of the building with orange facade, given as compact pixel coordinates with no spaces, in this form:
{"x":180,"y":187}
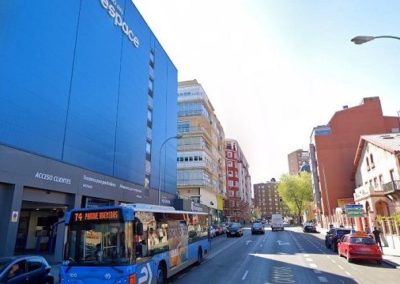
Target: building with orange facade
{"x":333,"y":148}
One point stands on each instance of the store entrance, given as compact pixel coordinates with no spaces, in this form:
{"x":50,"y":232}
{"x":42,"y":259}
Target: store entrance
{"x":37,"y":227}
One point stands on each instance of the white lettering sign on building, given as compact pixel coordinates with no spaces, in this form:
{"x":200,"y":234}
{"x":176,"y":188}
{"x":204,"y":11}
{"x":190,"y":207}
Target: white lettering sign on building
{"x":115,"y":12}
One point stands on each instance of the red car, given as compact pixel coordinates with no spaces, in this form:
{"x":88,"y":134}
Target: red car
{"x":359,"y":246}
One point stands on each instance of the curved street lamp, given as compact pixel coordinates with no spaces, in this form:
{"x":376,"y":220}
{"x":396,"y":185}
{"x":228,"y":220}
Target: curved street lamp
{"x":159,"y":164}
{"x":364,"y":39}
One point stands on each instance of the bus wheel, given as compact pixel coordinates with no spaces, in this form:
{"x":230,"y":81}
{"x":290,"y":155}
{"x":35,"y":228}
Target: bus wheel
{"x":161,"y":275}
{"x":199,"y":256}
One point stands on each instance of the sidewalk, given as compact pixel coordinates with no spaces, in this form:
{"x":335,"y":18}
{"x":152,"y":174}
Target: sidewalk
{"x":390,"y":256}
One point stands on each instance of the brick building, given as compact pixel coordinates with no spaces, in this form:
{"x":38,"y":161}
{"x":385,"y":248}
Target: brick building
{"x":333,"y":148}
{"x":266,"y":198}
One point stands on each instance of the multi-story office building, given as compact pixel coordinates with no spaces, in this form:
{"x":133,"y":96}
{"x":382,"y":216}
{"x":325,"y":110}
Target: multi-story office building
{"x":333,"y":148}
{"x":298,"y":160}
{"x":266,"y":198}
{"x":238,"y":203}
{"x":201,"y":157}
{"x":87,"y":99}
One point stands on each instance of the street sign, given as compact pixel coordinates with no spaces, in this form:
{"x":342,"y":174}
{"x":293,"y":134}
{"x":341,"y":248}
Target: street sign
{"x":354,"y":210}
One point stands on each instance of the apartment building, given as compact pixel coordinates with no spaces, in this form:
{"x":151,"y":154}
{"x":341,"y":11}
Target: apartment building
{"x":298,"y":160}
{"x":333,"y":148}
{"x":266,"y":198}
{"x":238,"y":202}
{"x":201,"y":156}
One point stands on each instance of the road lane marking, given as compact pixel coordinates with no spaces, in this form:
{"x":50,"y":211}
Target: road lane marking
{"x":322,"y":279}
{"x":282,"y":274}
{"x":245,"y":275}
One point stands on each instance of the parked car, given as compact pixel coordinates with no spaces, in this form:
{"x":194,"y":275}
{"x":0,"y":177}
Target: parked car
{"x":359,"y":246}
{"x":218,"y":230}
{"x":257,"y":228}
{"x":211,"y":232}
{"x":277,"y":222}
{"x":234,"y":229}
{"x":333,"y":236}
{"x":25,"y":269}
{"x":309,"y":228}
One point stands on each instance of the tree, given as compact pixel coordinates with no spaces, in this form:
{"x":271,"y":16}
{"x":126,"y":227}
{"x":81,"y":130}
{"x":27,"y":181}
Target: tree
{"x":296,"y":192}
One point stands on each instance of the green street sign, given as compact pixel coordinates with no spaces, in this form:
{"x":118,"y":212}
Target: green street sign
{"x":354,"y":210}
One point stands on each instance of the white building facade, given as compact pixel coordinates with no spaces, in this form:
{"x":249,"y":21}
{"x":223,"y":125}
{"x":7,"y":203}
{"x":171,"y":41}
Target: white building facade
{"x":201,"y":157}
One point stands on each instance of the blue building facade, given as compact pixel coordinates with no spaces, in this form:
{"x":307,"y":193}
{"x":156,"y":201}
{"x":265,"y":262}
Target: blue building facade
{"x":85,"y":85}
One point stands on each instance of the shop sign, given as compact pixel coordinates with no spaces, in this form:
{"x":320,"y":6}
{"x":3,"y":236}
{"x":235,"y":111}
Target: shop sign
{"x":115,"y":12}
{"x":196,"y":207}
{"x":354,"y":210}
{"x":53,"y":178}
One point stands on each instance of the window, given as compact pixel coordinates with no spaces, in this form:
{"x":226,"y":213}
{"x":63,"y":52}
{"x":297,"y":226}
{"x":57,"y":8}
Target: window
{"x":376,"y":183}
{"x":392,"y":175}
{"x":368,"y":167}
{"x":372,"y":161}
{"x":34,"y":264}
{"x":20,"y":269}
{"x":229,"y":154}
{"x":230,"y":174}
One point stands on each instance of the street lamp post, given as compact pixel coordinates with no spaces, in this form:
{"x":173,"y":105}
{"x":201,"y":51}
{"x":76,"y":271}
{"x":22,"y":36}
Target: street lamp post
{"x":159,"y":164}
{"x":364,"y":39}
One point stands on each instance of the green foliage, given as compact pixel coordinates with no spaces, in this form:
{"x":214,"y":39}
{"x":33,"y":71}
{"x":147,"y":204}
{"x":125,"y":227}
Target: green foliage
{"x":296,"y":192}
{"x":256,"y":213}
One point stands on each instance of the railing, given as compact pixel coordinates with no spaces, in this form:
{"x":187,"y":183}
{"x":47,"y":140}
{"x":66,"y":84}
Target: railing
{"x":194,"y":130}
{"x":364,"y":191}
{"x":389,"y":226}
{"x":391,"y":186}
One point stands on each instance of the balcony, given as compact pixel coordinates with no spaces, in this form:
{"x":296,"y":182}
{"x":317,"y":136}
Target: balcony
{"x":194,"y":130}
{"x":392,"y":190}
{"x":362,"y":192}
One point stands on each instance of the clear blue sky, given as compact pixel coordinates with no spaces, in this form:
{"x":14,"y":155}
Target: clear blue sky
{"x":275,"y":69}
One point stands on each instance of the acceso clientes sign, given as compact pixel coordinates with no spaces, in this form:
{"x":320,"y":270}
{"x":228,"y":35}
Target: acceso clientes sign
{"x":115,"y":12}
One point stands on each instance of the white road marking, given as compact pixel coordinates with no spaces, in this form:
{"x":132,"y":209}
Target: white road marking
{"x":245,"y":275}
{"x":348,"y":273}
{"x":322,"y":279}
{"x":341,"y":267}
{"x":247,"y":242}
{"x":313,"y":265}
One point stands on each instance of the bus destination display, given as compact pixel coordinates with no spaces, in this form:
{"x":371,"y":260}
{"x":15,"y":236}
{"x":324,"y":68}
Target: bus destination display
{"x":96,"y":216}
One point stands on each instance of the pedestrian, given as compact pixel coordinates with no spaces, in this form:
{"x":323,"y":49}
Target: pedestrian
{"x":377,"y":236}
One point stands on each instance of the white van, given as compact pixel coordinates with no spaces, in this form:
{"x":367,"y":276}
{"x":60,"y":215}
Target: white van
{"x":277,"y":222}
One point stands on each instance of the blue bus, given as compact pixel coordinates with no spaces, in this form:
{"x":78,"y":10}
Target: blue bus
{"x":132,"y":243}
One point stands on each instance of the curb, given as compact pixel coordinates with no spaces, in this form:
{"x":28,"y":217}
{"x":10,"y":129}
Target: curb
{"x":391,"y":263}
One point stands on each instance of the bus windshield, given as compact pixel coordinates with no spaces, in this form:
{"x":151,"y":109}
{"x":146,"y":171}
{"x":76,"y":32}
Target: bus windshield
{"x":100,"y":243}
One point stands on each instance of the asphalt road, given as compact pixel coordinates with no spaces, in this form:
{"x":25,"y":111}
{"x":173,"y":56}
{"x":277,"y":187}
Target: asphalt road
{"x":289,"y":256}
